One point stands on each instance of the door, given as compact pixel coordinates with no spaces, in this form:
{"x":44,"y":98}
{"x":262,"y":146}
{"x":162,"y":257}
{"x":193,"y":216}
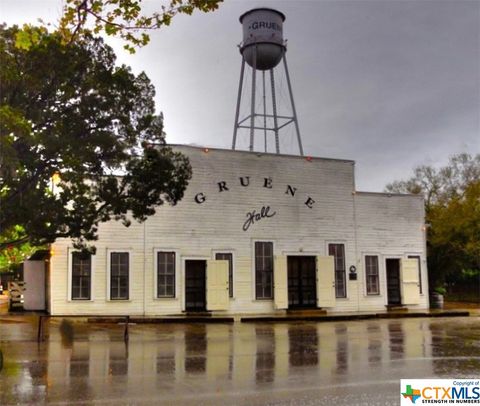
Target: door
{"x":301,"y":282}
{"x":217,"y":285}
{"x":410,"y":282}
{"x":195,"y":299}
{"x":393,"y":281}
{"x":326,"y":281}
{"x":280,"y":290}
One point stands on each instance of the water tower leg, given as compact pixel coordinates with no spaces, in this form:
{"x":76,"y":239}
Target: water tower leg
{"x":293,"y":104}
{"x":239,"y":99}
{"x":264,"y":111}
{"x":274,"y":107}
{"x":252,"y":113}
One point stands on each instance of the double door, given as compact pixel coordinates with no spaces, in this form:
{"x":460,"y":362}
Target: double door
{"x":302,"y":282}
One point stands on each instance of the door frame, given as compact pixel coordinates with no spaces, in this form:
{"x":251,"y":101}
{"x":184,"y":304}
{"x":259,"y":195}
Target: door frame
{"x":399,"y":258}
{"x":315,"y":279}
{"x":184,"y":279}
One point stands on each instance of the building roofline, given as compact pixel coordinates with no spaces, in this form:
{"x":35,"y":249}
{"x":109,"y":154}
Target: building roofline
{"x":258,"y":153}
{"x":387,"y":194}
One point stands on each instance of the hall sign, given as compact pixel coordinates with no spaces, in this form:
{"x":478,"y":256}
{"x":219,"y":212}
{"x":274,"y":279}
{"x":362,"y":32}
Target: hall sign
{"x":265,"y":212}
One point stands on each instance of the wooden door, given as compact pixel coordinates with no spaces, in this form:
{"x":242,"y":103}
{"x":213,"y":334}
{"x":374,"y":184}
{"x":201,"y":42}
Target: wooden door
{"x":217,"y":285}
{"x":195,"y":298}
{"x":280,"y":283}
{"x":393,"y":281}
{"x":410,"y":282}
{"x":326,"y":282}
{"x":302,"y":286}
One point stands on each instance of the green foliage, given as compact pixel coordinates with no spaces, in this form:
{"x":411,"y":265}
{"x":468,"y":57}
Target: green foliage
{"x":440,"y":290}
{"x":67,"y":111}
{"x":13,"y":255}
{"x":124,"y":18}
{"x":452,"y":203}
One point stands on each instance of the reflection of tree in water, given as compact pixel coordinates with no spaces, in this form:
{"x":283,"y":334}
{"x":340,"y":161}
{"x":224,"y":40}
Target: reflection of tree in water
{"x":67,"y":333}
{"x":454,"y":350}
{"x":265,"y":356}
{"x":303,"y":346}
{"x":195,"y":349}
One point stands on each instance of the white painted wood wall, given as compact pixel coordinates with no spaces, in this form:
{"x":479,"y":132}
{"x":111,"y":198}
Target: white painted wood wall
{"x":366,"y":223}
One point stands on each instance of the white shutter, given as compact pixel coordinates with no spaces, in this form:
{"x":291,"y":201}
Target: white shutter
{"x":410,"y":283}
{"x":217,"y":285}
{"x":280,"y":281}
{"x":325,"y":282}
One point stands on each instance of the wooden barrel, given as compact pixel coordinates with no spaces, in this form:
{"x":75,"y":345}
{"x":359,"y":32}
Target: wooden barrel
{"x":436,"y":301}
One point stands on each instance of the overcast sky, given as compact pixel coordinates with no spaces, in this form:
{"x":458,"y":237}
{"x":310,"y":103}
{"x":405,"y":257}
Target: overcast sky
{"x":389,"y":84}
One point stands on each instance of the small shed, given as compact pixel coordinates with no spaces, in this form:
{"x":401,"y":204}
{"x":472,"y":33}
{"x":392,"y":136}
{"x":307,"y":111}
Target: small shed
{"x":35,"y":278}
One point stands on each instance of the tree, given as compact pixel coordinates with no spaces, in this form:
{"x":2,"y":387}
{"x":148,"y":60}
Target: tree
{"x":124,"y":18}
{"x":440,"y":185}
{"x":452,"y":206}
{"x":71,"y":122}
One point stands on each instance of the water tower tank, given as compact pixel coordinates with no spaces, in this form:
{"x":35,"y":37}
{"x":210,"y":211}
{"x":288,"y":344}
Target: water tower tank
{"x":263,"y":31}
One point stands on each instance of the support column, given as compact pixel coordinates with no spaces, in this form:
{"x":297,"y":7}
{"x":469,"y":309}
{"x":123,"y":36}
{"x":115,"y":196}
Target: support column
{"x":293,"y":104}
{"x":239,"y":99}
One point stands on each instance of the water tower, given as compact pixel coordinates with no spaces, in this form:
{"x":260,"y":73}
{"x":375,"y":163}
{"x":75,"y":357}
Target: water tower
{"x":263,"y":48}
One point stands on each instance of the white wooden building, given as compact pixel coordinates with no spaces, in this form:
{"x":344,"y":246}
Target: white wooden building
{"x":254,"y":233}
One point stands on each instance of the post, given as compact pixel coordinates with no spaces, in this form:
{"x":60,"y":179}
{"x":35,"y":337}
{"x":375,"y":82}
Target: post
{"x":125,"y":333}
{"x":40,"y":329}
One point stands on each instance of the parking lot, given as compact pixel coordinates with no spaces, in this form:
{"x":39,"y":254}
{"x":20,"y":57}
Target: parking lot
{"x":357,"y":362}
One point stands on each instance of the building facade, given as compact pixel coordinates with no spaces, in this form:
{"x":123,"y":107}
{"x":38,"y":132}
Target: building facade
{"x":254,"y":233}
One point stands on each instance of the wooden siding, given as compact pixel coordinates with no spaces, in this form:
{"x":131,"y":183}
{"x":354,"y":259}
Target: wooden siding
{"x":192,"y":230}
{"x":390,"y":226}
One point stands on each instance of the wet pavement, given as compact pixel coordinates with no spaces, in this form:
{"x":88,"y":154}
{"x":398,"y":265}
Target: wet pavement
{"x":304,"y":363}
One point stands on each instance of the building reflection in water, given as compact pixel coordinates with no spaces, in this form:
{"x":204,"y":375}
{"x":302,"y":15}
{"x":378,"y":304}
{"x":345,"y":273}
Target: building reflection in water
{"x":265,"y":354}
{"x":79,"y":360}
{"x":118,"y":359}
{"x":303,"y":346}
{"x":396,"y":337}
{"x":374,"y":343}
{"x":241,"y":356}
{"x":195,"y":349}
{"x":165,"y":362}
{"x":341,"y":333}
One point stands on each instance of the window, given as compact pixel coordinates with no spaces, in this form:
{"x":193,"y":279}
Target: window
{"x":371,"y":272}
{"x":263,"y":270}
{"x":228,"y":257}
{"x":338,"y":252}
{"x":119,"y":275}
{"x":81,"y":276}
{"x":417,"y":257}
{"x":165,"y":274}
